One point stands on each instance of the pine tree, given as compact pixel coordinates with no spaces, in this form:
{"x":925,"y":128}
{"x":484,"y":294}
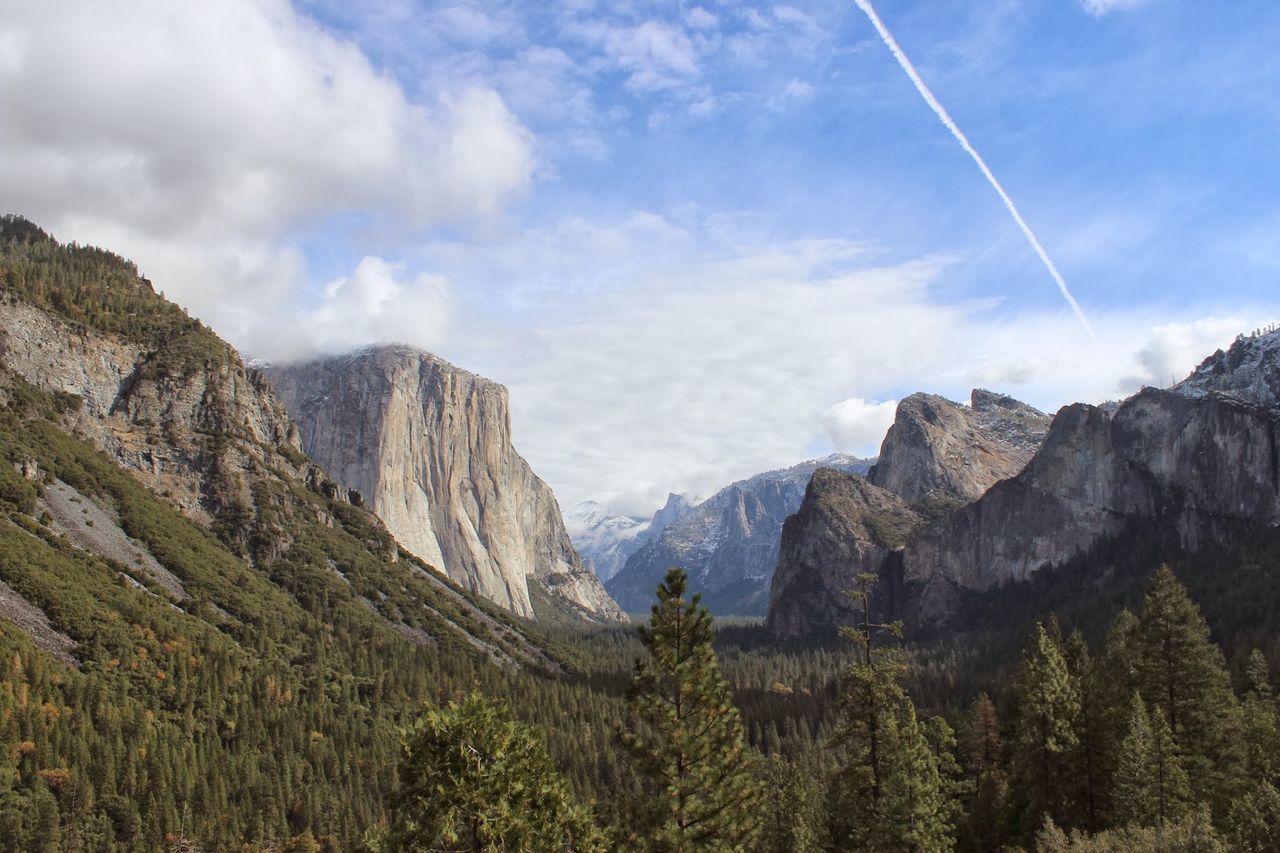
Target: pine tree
{"x":1261,"y":723}
{"x":473,"y":779}
{"x":1114,"y":680}
{"x":1132,"y":782}
{"x":793,"y":819}
{"x":1086,"y":760}
{"x":686,"y":735}
{"x":988,"y":782}
{"x":1048,"y":703}
{"x":1255,"y":820}
{"x":1182,"y":673}
{"x":887,"y":794}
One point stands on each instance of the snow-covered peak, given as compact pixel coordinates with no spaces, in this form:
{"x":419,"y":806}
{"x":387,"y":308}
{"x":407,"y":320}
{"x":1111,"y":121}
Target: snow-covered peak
{"x":1248,"y":371}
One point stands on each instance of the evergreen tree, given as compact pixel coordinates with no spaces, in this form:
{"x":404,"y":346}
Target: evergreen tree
{"x":887,"y":794}
{"x":1182,"y":673}
{"x":793,"y":818}
{"x":1086,"y":759}
{"x":1048,"y":703}
{"x":988,"y":782}
{"x":1255,"y":820}
{"x":1114,"y":680}
{"x":1151,"y":786}
{"x":473,"y":779}
{"x":686,"y":735}
{"x":1261,"y":723}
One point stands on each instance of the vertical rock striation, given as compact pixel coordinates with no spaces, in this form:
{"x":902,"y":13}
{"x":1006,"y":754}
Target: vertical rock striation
{"x":429,"y":448}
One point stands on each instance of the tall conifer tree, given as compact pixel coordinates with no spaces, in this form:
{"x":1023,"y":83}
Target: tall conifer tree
{"x":1182,"y":673}
{"x":887,"y":794}
{"x":686,"y":736}
{"x":1048,"y":703}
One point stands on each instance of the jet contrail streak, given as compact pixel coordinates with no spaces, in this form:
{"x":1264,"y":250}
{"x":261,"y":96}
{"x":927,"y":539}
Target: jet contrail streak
{"x":892,"y":44}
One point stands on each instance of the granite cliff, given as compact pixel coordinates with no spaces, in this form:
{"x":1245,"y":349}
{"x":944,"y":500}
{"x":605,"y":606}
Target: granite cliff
{"x":1200,"y":460}
{"x":845,"y":527}
{"x":1195,"y":464}
{"x":937,"y":456}
{"x":429,"y":447}
{"x":940,"y":454}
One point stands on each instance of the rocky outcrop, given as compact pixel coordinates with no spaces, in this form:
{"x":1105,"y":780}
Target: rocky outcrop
{"x":428,"y":446}
{"x":940,"y":455}
{"x":845,"y":527}
{"x":1202,"y":466}
{"x":188,"y":418}
{"x":728,"y":543}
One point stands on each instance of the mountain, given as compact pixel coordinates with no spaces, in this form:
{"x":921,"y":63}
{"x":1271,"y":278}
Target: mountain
{"x":603,"y":539}
{"x":177,"y":575}
{"x":1191,"y":466}
{"x":844,"y":527}
{"x":728,"y":543}
{"x":1200,"y":460}
{"x":937,"y":456}
{"x":429,"y":447}
{"x":941,"y":454}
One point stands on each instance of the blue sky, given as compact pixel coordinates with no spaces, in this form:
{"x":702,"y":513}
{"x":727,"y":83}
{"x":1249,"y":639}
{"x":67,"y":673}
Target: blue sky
{"x":696,"y":240}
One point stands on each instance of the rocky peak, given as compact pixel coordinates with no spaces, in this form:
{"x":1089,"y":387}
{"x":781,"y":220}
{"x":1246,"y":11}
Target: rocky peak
{"x":1249,"y":371}
{"x":428,"y":447}
{"x":845,"y":527}
{"x":941,"y":454}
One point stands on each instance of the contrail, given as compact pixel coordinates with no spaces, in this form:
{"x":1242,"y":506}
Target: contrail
{"x":892,"y":44}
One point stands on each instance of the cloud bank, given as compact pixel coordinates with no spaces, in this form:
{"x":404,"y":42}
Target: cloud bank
{"x":199,"y":138}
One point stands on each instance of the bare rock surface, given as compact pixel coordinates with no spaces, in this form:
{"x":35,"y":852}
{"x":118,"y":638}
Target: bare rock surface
{"x":845,"y":527}
{"x":94,"y":528}
{"x":35,"y":623}
{"x":428,"y":446}
{"x":943,"y":454}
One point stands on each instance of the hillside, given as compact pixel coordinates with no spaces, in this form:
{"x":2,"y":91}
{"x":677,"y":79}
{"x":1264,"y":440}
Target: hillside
{"x":178,"y":576}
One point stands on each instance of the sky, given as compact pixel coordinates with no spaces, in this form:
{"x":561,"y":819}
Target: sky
{"x":695,"y":240}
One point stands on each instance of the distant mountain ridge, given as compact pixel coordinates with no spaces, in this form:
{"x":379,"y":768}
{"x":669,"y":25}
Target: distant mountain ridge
{"x":728,"y":543}
{"x":604,"y":540}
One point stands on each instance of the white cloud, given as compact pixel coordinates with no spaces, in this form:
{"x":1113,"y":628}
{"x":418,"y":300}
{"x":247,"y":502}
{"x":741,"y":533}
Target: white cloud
{"x":700,"y":19}
{"x":655,"y":54}
{"x":858,"y":426}
{"x":1098,"y":8}
{"x":1174,"y":349}
{"x":375,"y":304}
{"x":198,"y":137}
{"x":651,"y":355}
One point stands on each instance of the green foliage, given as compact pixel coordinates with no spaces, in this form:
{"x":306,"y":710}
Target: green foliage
{"x":1255,"y":820}
{"x":988,"y":783}
{"x":686,"y":736}
{"x":1180,"y":672}
{"x":887,"y":793}
{"x":1046,"y":739}
{"x":473,"y":779}
{"x":1194,"y":834}
{"x":792,"y":820}
{"x":1151,"y":788}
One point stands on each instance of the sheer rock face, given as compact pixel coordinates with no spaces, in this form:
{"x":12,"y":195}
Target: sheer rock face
{"x":155,"y":419}
{"x":942,"y":454}
{"x":728,"y":543}
{"x":845,"y":527}
{"x":429,"y":448}
{"x":1203,"y":464}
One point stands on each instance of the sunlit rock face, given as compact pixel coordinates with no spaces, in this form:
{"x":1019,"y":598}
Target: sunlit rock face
{"x":429,"y":447}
